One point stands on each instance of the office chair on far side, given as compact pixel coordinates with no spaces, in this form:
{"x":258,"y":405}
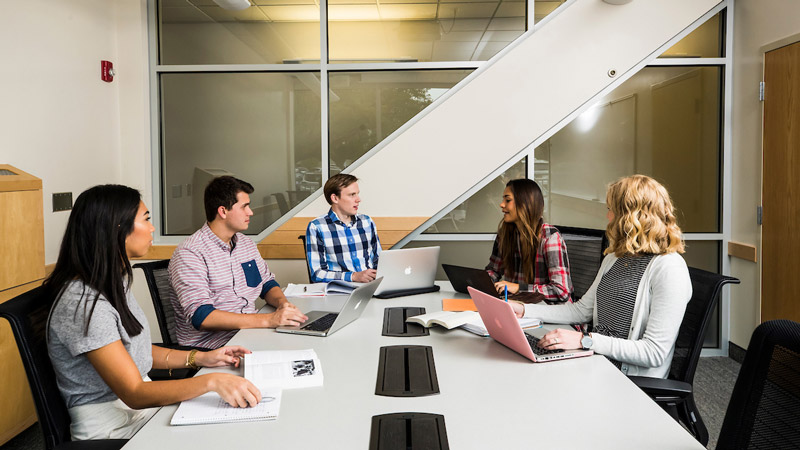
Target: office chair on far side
{"x":302,"y":237}
{"x":765,"y":403}
{"x":27,"y":314}
{"x":585,"y":249}
{"x":675,"y":393}
{"x":157,"y":277}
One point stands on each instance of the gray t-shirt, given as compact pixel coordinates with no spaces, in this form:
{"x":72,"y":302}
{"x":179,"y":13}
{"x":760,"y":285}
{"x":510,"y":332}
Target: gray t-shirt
{"x":67,"y":343}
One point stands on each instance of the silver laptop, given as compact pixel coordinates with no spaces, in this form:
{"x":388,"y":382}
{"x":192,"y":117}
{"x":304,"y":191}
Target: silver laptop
{"x":407,"y":269}
{"x":325,"y":323}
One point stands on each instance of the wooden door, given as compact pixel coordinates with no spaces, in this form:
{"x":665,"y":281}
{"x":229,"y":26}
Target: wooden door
{"x":780,"y":269}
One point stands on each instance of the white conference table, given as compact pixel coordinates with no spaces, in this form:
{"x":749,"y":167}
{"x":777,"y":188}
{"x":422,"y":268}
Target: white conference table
{"x":491,"y":397}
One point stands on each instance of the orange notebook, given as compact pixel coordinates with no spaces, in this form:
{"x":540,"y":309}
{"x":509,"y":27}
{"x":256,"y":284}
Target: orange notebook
{"x":458,"y":304}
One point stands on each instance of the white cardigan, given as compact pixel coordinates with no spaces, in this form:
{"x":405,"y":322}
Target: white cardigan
{"x":661,"y":300}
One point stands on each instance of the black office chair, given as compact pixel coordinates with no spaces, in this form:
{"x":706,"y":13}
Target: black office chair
{"x":27,"y":314}
{"x":585,"y":249}
{"x":675,"y":393}
{"x":302,"y":237}
{"x":765,"y":403}
{"x":283,"y":205}
{"x":157,"y":277}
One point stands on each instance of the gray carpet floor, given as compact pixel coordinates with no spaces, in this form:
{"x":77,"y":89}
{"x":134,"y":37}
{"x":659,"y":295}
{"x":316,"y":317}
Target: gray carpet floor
{"x":713,"y":384}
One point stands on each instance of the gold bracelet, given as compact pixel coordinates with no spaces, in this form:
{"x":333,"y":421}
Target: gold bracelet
{"x":190,"y":360}
{"x":167,"y":363}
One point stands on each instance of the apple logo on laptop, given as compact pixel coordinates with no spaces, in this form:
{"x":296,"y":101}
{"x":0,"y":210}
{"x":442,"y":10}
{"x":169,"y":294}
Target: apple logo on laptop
{"x":408,"y":270}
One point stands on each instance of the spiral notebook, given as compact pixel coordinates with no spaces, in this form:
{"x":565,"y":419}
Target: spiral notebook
{"x":211,"y":408}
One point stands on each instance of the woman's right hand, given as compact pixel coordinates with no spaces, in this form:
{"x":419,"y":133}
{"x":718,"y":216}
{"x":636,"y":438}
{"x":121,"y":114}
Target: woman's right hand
{"x":235,"y":390}
{"x":518,"y":308}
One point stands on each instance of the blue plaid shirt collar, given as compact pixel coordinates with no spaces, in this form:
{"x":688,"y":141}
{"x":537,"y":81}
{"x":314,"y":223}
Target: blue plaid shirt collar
{"x":335,"y":219}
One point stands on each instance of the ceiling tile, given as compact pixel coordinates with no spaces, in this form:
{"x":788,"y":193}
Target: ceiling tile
{"x":182,"y":14}
{"x":511,"y":9}
{"x":508,"y":24}
{"x":251,"y":14}
{"x":292,"y":13}
{"x":353,"y":12}
{"x":408,"y":11}
{"x":466,"y":10}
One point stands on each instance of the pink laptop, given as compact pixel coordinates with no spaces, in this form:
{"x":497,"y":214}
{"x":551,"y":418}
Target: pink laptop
{"x":502,"y":324}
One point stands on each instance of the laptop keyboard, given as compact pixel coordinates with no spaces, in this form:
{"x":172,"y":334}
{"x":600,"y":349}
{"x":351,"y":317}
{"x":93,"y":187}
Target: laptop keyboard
{"x":323,"y":323}
{"x":533,"y":341}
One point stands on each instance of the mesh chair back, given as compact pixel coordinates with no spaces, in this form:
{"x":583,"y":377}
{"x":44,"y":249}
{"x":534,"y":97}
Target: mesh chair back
{"x":302,"y":238}
{"x":765,"y":403}
{"x":158,"y":284}
{"x":585,"y":249}
{"x":706,"y":289}
{"x":27,"y":314}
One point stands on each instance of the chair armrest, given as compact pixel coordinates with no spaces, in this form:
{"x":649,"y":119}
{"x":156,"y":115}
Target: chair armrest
{"x":661,"y":388}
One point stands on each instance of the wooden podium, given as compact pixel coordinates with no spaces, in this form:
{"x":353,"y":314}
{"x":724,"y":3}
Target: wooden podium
{"x":22,"y":269}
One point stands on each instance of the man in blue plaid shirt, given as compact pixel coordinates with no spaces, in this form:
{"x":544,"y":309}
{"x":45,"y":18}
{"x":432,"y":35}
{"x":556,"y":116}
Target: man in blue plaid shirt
{"x":342,"y":245}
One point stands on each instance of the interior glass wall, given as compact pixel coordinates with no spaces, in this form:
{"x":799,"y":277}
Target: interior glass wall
{"x":268,"y":32}
{"x":663,"y":122}
{"x":480,"y":213}
{"x":422,"y":30}
{"x":249,"y":125}
{"x":366,"y":107}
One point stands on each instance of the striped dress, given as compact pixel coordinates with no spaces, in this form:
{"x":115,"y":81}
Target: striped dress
{"x":616,"y":297}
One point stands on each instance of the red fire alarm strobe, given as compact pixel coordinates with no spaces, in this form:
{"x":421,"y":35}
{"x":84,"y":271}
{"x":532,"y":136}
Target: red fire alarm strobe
{"x":107,"y":71}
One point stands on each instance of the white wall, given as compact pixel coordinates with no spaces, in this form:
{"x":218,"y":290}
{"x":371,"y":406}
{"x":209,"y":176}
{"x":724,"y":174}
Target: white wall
{"x":757,"y":23}
{"x":58,"y":120}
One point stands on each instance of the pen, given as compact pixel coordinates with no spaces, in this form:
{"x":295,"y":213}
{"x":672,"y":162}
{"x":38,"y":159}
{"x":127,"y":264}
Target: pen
{"x":267,"y":399}
{"x":506,"y":293}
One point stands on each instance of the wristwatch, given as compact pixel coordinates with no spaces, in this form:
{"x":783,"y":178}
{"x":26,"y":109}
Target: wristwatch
{"x":586,"y":340}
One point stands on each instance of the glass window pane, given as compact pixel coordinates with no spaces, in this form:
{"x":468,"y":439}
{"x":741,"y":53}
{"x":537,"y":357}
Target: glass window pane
{"x":481,"y":212}
{"x":250,"y":125}
{"x":542,"y":8}
{"x":460,"y":253}
{"x":421,"y":30}
{"x":705,"y":255}
{"x":269,"y":32}
{"x":704,"y":42}
{"x":663,"y":122}
{"x":365,"y":107}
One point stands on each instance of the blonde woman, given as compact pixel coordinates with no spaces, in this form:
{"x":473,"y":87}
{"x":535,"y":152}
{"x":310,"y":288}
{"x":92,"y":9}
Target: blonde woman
{"x":528,"y":255}
{"x":636,"y":303}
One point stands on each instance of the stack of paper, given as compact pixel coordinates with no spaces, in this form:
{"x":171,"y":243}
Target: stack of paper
{"x":335,"y":287}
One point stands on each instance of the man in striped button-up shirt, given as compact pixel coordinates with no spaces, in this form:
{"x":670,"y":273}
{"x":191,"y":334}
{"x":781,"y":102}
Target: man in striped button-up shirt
{"x":218,"y":273}
{"x":342,"y":245}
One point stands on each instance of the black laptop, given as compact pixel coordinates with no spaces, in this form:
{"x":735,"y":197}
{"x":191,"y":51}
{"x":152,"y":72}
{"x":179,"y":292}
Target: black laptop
{"x":461,"y":277}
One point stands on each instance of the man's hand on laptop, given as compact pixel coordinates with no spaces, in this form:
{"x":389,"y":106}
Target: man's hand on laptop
{"x":286,"y":315}
{"x":365,"y":276}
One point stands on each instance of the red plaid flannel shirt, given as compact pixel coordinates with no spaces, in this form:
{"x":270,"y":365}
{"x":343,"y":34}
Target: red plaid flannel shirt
{"x":551,"y":268}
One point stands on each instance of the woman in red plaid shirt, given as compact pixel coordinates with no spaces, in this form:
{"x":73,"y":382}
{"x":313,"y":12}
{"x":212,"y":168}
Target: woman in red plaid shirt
{"x":528,"y":254}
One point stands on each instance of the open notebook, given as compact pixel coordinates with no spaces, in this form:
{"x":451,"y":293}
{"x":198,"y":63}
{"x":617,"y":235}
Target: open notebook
{"x":211,"y":408}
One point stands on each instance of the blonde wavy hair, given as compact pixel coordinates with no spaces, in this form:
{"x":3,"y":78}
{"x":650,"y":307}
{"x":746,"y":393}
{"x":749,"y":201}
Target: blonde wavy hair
{"x":644,"y":218}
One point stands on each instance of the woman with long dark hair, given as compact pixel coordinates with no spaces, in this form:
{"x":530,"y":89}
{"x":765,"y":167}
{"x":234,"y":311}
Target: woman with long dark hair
{"x":528,"y":254}
{"x":98,"y":336}
{"x":637,"y":301}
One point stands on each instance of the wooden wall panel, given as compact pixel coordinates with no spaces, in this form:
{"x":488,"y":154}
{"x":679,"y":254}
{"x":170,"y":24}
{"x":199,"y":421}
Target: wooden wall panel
{"x":22,"y":242}
{"x":283,"y":243}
